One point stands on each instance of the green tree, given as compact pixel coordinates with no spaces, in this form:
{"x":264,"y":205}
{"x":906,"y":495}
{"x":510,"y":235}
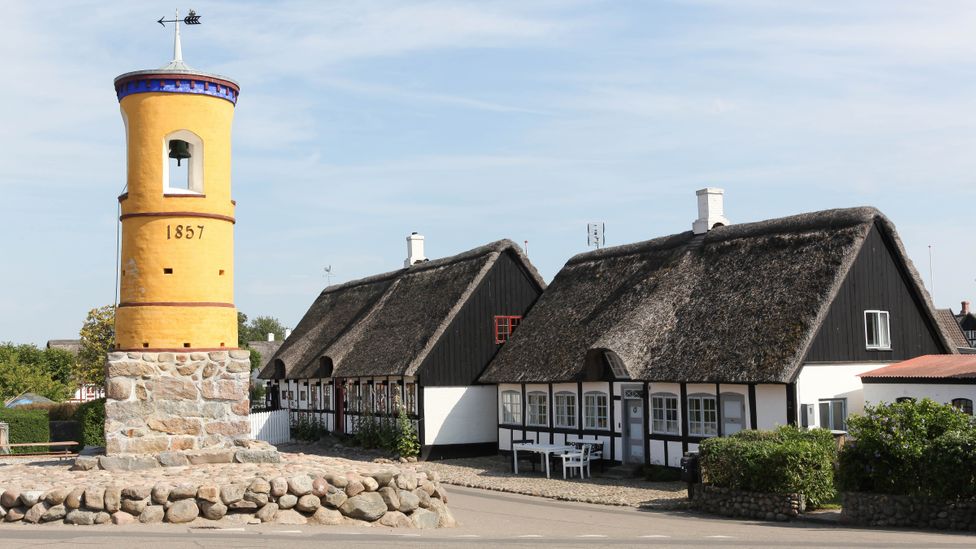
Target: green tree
{"x":17,"y":378}
{"x":60,"y":364}
{"x":258,"y":329}
{"x":97,"y":339}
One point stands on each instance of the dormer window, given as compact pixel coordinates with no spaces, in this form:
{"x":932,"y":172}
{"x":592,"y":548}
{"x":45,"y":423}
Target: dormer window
{"x":877,"y":333}
{"x":183,"y":163}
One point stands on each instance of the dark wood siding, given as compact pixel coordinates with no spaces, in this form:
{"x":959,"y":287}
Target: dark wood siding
{"x":468,"y":344}
{"x":875,"y":282}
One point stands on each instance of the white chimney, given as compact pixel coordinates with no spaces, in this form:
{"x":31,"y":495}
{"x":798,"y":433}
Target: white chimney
{"x":711,"y":211}
{"x":415,"y":249}
{"x":270,"y":336}
{"x":287,"y":332}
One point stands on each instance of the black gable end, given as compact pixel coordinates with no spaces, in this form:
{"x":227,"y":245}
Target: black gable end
{"x":876,"y":281}
{"x":468,"y":345}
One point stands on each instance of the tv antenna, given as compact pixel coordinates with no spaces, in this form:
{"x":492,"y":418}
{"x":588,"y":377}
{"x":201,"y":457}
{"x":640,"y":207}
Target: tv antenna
{"x":594,"y":234}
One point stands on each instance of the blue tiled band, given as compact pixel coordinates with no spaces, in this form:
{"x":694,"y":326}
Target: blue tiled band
{"x":177,"y":85}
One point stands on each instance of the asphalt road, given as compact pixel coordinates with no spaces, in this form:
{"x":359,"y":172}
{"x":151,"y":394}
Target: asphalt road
{"x":494,"y":519}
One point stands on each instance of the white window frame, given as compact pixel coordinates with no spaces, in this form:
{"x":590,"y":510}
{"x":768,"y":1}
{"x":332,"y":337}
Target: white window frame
{"x":596,"y":410}
{"x":327,"y":397}
{"x":882,"y":336}
{"x":702,"y":415}
{"x":512,"y":407}
{"x":537,"y":408}
{"x":831,"y":404}
{"x":664,"y":414}
{"x":194,"y":168}
{"x":565,"y":409}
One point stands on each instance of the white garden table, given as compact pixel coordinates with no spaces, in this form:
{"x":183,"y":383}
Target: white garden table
{"x":545,"y":449}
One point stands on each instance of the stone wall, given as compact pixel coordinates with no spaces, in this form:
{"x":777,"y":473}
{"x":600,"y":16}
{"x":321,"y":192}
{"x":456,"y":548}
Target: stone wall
{"x":889,"y":510}
{"x":4,"y":438}
{"x":160,"y":402}
{"x":755,"y":505}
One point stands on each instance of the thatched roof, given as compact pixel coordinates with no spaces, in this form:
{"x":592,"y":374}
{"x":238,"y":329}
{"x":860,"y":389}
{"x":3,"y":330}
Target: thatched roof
{"x":387,"y":324}
{"x":741,"y":303}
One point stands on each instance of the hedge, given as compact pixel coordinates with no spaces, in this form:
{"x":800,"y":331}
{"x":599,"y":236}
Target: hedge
{"x":786,"y":460}
{"x":26,"y":426}
{"x":910,"y":448}
{"x":91,"y":415}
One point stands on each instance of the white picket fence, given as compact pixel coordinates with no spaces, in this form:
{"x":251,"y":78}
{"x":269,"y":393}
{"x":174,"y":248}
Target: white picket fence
{"x":272,"y":427}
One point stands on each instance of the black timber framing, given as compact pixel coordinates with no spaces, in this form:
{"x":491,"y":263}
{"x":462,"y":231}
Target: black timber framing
{"x":753,"y":413}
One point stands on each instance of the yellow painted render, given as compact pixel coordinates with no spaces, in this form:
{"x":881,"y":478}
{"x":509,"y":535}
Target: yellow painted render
{"x":146,"y":251}
{"x":171,"y":327}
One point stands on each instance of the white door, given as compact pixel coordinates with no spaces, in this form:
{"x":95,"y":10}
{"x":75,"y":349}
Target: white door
{"x":733,"y":412}
{"x":633,"y":426}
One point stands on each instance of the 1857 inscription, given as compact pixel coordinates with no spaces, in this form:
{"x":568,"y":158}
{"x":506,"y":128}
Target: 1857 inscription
{"x":186,"y":232}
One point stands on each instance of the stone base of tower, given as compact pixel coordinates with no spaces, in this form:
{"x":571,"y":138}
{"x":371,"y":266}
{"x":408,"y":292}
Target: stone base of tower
{"x":162,"y":402}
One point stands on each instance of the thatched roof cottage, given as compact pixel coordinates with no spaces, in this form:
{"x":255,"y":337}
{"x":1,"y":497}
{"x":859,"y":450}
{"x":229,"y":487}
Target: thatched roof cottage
{"x":652,"y":346}
{"x":424,"y":332}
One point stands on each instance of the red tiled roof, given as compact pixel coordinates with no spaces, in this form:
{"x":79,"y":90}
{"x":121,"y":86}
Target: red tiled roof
{"x":929,"y":366}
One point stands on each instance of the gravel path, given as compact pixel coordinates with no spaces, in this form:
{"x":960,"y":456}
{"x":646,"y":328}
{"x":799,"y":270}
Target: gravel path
{"x":493,"y":473}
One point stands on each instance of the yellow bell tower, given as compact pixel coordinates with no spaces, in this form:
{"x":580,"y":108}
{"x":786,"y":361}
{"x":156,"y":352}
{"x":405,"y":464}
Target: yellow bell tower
{"x":177,"y":262}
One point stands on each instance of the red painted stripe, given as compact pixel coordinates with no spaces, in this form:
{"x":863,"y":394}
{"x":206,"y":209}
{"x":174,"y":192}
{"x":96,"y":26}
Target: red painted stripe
{"x":175,"y":304}
{"x":178,"y":214}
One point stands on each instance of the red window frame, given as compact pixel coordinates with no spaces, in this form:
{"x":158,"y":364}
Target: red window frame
{"x":505,"y":325}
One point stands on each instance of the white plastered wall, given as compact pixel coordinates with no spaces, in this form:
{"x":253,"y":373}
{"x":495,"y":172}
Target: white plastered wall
{"x":770,"y":406}
{"x":824,"y":381}
{"x":875,"y":393}
{"x":460,"y":415}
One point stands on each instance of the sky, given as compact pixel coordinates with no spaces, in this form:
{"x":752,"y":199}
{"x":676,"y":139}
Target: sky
{"x":360,"y":122}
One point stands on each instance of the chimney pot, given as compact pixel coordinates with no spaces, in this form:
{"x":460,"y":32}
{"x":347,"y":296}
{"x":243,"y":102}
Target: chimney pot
{"x":287,"y":332}
{"x":965,"y":308}
{"x":711,"y":210}
{"x":270,"y":336}
{"x":415,"y":249}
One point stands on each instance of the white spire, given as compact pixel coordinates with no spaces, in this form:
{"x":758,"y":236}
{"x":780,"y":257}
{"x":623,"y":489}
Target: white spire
{"x":177,"y":48}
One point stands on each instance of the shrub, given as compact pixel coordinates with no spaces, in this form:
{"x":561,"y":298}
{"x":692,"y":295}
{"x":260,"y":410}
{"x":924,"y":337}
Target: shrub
{"x":58,"y":411}
{"x":782,"y":461}
{"x":894,"y":444}
{"x":306,"y":428}
{"x":406,"y":442}
{"x":950,"y":470}
{"x":26,"y":426}
{"x":91,"y":415}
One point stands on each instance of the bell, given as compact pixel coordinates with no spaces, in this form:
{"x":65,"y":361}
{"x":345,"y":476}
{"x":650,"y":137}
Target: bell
{"x":179,"y":150}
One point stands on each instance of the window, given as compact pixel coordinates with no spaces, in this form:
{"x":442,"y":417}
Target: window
{"x":904,"y":399}
{"x":702,"y":415}
{"x":664,"y":414}
{"x":511,"y":407}
{"x":565,"y":404}
{"x":833,"y":414}
{"x":411,"y":389}
{"x":183,"y":163}
{"x":538,"y":409}
{"x":964,"y":405}
{"x":876,"y":330}
{"x":504,"y":326}
{"x":595,"y":410}
{"x":971,"y":335}
{"x":301,"y":395}
{"x":327,"y":397}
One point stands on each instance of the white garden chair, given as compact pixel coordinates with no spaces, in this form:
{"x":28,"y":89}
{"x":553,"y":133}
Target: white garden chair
{"x":577,"y":460}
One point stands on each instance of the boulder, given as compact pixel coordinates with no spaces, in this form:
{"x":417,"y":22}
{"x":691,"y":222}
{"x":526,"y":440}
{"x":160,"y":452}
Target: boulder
{"x":243,"y":506}
{"x":408,"y":501}
{"x":267,"y":513}
{"x":406,"y":481}
{"x":290,"y":516}
{"x":370,"y":484}
{"x":127,"y":463}
{"x":354,"y":488}
{"x":182,"y":511}
{"x":209,"y":492}
{"x":74,"y":498}
{"x":113,"y":498}
{"x":134,"y":506}
{"x":36,"y":511}
{"x":14,"y":514}
{"x":257,"y":456}
{"x":183,"y":491}
{"x":121,"y":517}
{"x":424,"y":497}
{"x":308,"y":503}
{"x":213,"y":511}
{"x":102,"y":517}
{"x":152,"y":514}
{"x":172,"y":459}
{"x":329,"y":517}
{"x":335,"y":498}
{"x":232,"y":493}
{"x":56,"y":496}
{"x":80,"y":518}
{"x":30,"y":498}
{"x":10,"y":498}
{"x":389,"y":496}
{"x":339,"y":481}
{"x":160,"y":493}
{"x":259,"y":486}
{"x":320,"y":487}
{"x":383,"y":478}
{"x":279,"y":486}
{"x":54,"y":512}
{"x":287,"y":501}
{"x":396,"y":519}
{"x":422,"y":518}
{"x":136,"y":492}
{"x":257,"y":498}
{"x":368,"y":506}
{"x":85,"y":463}
{"x":95,"y":498}
{"x":300,"y":485}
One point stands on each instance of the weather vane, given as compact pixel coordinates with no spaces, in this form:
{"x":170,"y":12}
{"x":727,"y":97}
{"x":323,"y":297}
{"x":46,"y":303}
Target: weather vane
{"x":192,"y":19}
